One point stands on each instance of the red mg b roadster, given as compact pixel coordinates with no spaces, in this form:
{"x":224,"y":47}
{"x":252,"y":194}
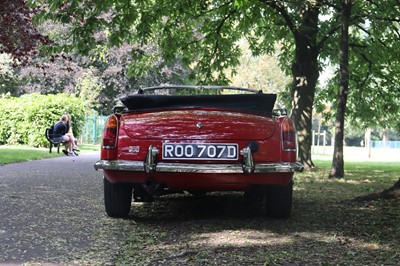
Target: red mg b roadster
{"x":198,"y":139}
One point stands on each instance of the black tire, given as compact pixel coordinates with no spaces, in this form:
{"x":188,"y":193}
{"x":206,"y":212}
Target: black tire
{"x":279,"y":200}
{"x":117,"y":199}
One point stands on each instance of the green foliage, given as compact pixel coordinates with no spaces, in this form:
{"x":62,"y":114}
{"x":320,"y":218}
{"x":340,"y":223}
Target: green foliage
{"x":105,"y":69}
{"x":204,"y":36}
{"x":261,"y":73}
{"x":7,"y":74}
{"x":24,"y":120}
{"x":374,"y":55}
{"x":89,"y":87}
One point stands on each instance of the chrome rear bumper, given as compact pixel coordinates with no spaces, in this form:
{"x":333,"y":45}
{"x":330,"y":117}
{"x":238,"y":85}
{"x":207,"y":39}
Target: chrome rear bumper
{"x":248,"y":167}
{"x":136,"y":166}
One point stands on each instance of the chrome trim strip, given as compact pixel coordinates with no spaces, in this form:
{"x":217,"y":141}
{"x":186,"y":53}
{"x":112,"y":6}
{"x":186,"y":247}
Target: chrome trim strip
{"x":122,"y":165}
{"x":137,"y":166}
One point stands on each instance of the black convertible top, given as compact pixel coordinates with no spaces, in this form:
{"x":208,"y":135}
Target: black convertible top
{"x":256,"y":102}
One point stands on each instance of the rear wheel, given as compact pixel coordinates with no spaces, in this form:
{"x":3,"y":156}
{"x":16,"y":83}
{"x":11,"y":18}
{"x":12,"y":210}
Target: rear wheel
{"x":117,"y":199}
{"x":279,"y":200}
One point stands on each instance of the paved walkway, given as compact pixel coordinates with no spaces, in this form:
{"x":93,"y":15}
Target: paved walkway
{"x":50,"y":211}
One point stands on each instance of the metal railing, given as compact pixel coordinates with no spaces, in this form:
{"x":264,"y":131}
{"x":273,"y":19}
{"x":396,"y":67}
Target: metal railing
{"x":385,"y":144}
{"x":93,"y":129}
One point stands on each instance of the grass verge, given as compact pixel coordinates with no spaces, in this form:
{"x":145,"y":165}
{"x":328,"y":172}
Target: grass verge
{"x":328,"y":226}
{"x":13,"y":154}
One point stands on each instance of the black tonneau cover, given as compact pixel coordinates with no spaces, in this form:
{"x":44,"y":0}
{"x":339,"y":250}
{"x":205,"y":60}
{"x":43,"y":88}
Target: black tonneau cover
{"x":250,"y":103}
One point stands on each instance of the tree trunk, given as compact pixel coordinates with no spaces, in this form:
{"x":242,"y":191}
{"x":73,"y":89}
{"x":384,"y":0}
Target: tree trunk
{"x":305,"y":76}
{"x":337,"y":170}
{"x":385,"y":138}
{"x":367,"y":140}
{"x":390,"y":193}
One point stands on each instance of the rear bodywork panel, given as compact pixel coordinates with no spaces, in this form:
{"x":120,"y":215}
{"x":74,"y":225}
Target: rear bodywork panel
{"x":189,"y":123}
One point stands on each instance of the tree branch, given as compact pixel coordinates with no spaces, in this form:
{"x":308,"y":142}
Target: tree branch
{"x":327,"y":36}
{"x":388,"y":19}
{"x":276,"y":5}
{"x":369,"y":69}
{"x":218,"y":29}
{"x":215,"y":8}
{"x":220,"y":25}
{"x":329,"y":4}
{"x":367,"y":32}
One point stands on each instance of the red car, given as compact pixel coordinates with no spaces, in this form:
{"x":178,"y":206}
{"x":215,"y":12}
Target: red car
{"x":198,"y":139}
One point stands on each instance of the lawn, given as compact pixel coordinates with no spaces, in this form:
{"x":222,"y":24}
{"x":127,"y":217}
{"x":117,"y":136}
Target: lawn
{"x":332,"y":223}
{"x":12,"y":154}
{"x":329,"y":225}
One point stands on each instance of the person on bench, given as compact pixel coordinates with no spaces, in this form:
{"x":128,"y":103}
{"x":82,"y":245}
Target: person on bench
{"x":59,"y":134}
{"x":71,"y":134}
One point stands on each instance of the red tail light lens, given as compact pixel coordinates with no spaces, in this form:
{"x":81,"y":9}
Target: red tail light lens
{"x":110,"y":133}
{"x":288,"y":135}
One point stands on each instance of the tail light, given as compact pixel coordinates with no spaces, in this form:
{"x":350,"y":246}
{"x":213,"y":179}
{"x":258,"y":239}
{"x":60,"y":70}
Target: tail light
{"x":288,"y":135}
{"x":110,"y":133}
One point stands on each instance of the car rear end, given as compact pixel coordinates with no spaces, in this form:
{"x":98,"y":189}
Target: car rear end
{"x":198,"y":149}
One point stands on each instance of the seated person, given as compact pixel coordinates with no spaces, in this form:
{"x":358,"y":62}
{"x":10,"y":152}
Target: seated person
{"x":71,"y":135}
{"x":60,"y":134}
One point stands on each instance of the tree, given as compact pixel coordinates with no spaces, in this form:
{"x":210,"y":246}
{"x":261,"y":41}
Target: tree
{"x":113,"y":68}
{"x":261,"y":73}
{"x":205,"y":35}
{"x":372,"y":56}
{"x":45,"y":75}
{"x":7,"y":74}
{"x":62,"y":71}
{"x":18,"y":36}
{"x":89,"y":87}
{"x":337,"y":169}
{"x":375,"y":64}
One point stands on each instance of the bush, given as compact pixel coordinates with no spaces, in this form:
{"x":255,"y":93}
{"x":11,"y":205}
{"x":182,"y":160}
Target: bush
{"x":24,"y":120}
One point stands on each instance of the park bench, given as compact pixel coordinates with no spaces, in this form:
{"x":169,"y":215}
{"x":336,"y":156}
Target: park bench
{"x":52,"y":138}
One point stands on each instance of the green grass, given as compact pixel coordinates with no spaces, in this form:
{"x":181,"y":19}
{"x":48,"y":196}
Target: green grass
{"x":361,"y":178}
{"x":356,"y":165}
{"x":328,"y":226}
{"x":13,"y":154}
{"x":89,"y":147}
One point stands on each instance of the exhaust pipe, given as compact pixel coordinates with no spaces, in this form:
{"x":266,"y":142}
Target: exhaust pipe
{"x":151,"y":186}
{"x":154,"y":188}
{"x":149,"y":183}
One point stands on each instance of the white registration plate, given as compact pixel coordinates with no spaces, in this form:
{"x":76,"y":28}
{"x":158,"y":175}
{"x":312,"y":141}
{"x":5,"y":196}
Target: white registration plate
{"x":200,"y":151}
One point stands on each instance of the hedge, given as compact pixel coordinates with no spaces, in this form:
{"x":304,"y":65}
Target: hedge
{"x":24,"y":120}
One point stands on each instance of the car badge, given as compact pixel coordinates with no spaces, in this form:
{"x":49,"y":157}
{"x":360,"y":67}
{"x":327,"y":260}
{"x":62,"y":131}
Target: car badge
{"x":134,"y":149}
{"x":199,"y":125}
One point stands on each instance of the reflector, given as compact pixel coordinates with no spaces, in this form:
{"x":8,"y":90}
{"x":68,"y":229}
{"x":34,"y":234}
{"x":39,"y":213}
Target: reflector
{"x":288,"y":135}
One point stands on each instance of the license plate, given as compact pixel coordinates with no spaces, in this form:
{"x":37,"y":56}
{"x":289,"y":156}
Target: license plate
{"x":200,"y":151}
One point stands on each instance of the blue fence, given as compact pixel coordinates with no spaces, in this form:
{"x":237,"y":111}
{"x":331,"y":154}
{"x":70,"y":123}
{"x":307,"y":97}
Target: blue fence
{"x":386,"y":144}
{"x":93,"y":129}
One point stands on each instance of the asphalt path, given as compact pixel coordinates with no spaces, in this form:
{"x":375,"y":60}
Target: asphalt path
{"x":51,"y":211}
